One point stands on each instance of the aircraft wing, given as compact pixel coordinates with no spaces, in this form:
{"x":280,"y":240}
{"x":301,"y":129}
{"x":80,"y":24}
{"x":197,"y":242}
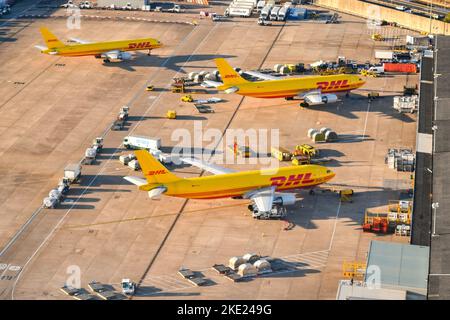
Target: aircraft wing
{"x":212,"y":168}
{"x":79,"y":41}
{"x":211,"y":84}
{"x":261,"y":75}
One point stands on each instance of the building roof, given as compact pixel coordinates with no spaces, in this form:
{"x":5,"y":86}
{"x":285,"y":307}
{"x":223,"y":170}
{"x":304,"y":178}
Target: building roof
{"x":402,"y":266}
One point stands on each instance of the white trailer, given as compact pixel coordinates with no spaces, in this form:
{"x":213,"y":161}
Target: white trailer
{"x":240,"y":12}
{"x":274,"y":13}
{"x":282,"y":14}
{"x":384,"y":55}
{"x":141,"y":142}
{"x":260,"y":5}
{"x":265,"y":12}
{"x":248,"y":6}
{"x":253,"y":2}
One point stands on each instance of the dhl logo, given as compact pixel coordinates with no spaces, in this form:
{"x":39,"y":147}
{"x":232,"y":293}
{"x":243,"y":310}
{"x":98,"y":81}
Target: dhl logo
{"x":228,"y":76}
{"x":292,"y":180}
{"x":339,"y":84}
{"x":156,"y":172}
{"x":139,"y":45}
{"x":52,"y":40}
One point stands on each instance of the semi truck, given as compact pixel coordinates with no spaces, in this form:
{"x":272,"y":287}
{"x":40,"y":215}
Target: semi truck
{"x":265,"y":12}
{"x":141,"y":142}
{"x":274,"y":13}
{"x":282,"y":14}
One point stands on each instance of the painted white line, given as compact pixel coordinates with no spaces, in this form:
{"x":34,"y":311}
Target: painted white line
{"x":335,"y":224}
{"x":19,"y":232}
{"x":106,"y":163}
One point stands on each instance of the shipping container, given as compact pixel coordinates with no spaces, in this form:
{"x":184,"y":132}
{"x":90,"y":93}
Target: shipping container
{"x":384,"y":54}
{"x":400,"y":67}
{"x":297,"y":14}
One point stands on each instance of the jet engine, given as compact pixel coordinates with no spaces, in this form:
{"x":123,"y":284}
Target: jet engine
{"x":329,"y":98}
{"x":284,"y":199}
{"x":124,"y":56}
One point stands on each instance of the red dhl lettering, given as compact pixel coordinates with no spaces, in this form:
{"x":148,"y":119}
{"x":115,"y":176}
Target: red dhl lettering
{"x":338,"y":84}
{"x":140,"y":45}
{"x":156,"y":172}
{"x":292,"y":180}
{"x":230,"y":76}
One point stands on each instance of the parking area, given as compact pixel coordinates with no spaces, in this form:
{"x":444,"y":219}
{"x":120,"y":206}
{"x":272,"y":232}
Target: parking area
{"x":53,"y":107}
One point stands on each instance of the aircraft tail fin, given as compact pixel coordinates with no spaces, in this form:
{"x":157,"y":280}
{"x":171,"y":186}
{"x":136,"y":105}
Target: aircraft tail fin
{"x":153,"y":170}
{"x":50,"y":39}
{"x":228,"y":74}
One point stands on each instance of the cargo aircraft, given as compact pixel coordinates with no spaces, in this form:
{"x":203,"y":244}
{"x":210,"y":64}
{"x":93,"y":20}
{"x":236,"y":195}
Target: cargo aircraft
{"x":263,"y":187}
{"x":110,"y":50}
{"x":313,"y":90}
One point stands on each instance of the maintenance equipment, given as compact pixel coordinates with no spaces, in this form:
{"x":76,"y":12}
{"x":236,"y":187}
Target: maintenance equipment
{"x":300,"y":159}
{"x":149,"y":88}
{"x":406,"y":104}
{"x":373,"y":95}
{"x":128,"y":286}
{"x":354,"y":270}
{"x":346,"y":195}
{"x":72,"y":172}
{"x":187,"y":98}
{"x":307,"y":150}
{"x":377,"y":37}
{"x":171,"y":114}
{"x":281,"y":154}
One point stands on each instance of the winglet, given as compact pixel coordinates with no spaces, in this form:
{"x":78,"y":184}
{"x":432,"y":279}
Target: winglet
{"x":50,"y":39}
{"x":228,"y":74}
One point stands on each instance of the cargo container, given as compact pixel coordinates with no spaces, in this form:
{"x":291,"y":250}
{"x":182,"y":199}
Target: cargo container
{"x":400,"y":67}
{"x":297,"y":14}
{"x":239,"y":12}
{"x":384,"y":55}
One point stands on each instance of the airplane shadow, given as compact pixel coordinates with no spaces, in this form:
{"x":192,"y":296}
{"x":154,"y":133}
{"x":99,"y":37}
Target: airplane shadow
{"x":172,"y":63}
{"x":324,"y":203}
{"x":349,"y":106}
{"x":150,"y":291}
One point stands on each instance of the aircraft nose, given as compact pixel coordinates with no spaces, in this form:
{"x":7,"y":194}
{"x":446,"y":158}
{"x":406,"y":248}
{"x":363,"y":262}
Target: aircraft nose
{"x":330,"y":174}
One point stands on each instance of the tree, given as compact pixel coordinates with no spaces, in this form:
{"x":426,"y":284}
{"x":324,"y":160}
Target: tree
{"x":447,"y":18}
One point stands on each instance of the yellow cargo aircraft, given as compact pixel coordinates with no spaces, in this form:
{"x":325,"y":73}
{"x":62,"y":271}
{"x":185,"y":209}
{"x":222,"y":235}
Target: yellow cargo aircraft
{"x":313,"y":90}
{"x":261,"y":186}
{"x":102,"y":50}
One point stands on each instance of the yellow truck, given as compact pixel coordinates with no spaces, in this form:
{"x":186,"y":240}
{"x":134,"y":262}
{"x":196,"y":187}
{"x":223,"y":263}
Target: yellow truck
{"x":187,"y":98}
{"x":171,"y":114}
{"x":306,"y":150}
{"x":281,"y":154}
